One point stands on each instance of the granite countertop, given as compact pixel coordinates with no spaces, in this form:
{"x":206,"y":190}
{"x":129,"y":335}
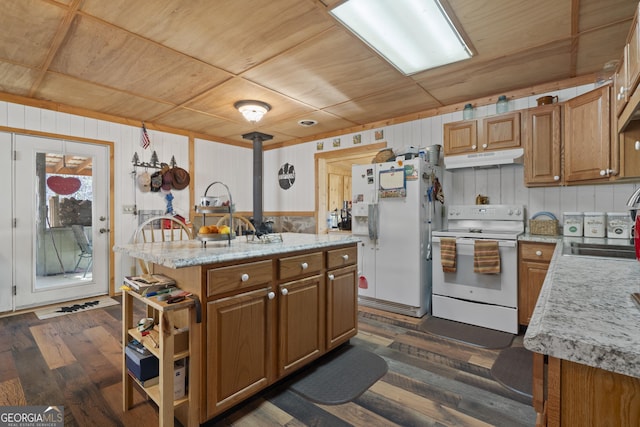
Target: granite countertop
{"x":187,"y":253}
{"x":585,"y":313}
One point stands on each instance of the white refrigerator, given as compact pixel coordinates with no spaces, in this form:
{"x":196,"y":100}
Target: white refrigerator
{"x":395,"y":207}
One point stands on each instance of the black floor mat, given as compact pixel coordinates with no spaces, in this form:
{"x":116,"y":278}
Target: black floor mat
{"x":340,"y":377}
{"x":514,"y":369}
{"x":469,"y":334}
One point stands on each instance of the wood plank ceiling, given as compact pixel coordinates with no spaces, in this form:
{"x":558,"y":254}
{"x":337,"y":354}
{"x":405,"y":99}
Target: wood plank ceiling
{"x":178,"y":64}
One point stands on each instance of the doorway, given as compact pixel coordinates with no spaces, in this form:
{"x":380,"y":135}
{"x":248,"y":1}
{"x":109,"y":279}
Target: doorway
{"x":334,"y":163}
{"x":60,"y":201}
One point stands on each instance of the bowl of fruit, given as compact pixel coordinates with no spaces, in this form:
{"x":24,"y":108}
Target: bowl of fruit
{"x":214,"y":232}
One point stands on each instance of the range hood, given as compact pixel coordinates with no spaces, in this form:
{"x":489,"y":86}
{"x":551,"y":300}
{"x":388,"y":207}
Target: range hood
{"x":485,"y":159}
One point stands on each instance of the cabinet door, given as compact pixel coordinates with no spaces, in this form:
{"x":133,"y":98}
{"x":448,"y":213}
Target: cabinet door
{"x":500,"y":132}
{"x":586,"y":137}
{"x":301,"y":322}
{"x":542,"y":145}
{"x":460,"y":137}
{"x":621,"y":93}
{"x":630,"y":150}
{"x":239,"y":348}
{"x":534,"y":259}
{"x":342,"y":306}
{"x":532,"y":275}
{"x":633,"y":57}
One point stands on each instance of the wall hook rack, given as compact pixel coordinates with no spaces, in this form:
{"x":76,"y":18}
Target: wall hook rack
{"x":153,"y":163}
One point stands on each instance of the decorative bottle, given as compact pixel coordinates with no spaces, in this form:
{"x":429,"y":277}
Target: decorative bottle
{"x":467,"y":112}
{"x":502,"y":106}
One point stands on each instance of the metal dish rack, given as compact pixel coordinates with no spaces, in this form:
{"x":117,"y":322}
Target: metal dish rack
{"x":204,"y":210}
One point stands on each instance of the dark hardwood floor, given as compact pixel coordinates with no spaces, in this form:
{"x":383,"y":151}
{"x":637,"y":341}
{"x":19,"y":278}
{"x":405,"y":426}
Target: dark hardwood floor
{"x":75,"y":361}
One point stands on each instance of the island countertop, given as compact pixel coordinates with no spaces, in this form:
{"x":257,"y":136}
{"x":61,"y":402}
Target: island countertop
{"x":187,"y":253}
{"x":585,"y":314}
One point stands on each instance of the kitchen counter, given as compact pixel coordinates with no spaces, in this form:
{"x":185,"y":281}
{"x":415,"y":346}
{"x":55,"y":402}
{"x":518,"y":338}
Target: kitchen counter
{"x":585,"y":314}
{"x":188,"y":253}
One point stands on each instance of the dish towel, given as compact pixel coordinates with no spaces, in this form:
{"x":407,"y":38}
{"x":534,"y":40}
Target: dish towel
{"x":486,"y":257}
{"x":448,"y":255}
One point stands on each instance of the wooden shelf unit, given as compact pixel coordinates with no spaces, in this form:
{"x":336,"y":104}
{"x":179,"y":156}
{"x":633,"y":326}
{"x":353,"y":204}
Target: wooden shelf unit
{"x":161,"y":344}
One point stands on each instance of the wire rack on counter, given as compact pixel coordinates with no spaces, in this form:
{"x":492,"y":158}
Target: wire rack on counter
{"x":216,"y":205}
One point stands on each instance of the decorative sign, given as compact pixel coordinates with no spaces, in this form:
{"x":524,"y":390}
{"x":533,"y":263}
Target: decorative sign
{"x":357,"y":139}
{"x":286,"y":176}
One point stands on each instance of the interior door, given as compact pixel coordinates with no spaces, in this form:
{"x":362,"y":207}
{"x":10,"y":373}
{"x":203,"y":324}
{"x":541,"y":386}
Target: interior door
{"x":60,"y":234}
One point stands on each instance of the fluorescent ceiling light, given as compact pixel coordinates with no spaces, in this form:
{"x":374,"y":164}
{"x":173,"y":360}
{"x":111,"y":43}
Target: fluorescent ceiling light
{"x":413,"y":35}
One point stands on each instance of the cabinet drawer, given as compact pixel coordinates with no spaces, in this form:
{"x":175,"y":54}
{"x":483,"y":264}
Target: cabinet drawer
{"x":340,"y":257}
{"x":236,"y":277}
{"x":300,"y":265}
{"x":541,"y":252}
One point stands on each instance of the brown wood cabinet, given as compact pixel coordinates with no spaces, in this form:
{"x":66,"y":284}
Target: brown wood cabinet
{"x":239,"y":348}
{"x":301,"y":311}
{"x":542,"y":146}
{"x":628,"y":72}
{"x":533,"y":263}
{"x":572,"y":394}
{"x":266,"y":317}
{"x":498,"y":132}
{"x":587,"y":138}
{"x":629,"y":150}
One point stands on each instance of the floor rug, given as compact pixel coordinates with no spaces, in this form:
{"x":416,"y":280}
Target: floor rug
{"x":340,"y":377}
{"x":514,"y":369}
{"x":75,"y":307}
{"x":468,"y":334}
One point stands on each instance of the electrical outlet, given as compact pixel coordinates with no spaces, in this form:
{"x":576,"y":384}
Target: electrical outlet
{"x":128,"y":209}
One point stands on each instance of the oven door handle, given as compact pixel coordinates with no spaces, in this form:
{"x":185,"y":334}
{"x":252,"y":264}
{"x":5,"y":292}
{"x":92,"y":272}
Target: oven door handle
{"x":466,"y":241}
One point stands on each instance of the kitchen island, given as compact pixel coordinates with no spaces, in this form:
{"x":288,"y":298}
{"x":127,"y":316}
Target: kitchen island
{"x":268,"y":309}
{"x":589,"y":329}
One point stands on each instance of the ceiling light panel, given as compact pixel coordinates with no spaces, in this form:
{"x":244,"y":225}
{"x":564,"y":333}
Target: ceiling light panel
{"x":413,"y":35}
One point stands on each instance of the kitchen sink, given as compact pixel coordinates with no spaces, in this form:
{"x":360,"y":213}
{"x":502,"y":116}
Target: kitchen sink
{"x":600,"y":250}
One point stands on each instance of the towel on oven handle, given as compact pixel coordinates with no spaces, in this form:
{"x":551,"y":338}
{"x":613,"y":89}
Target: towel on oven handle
{"x":448,"y":254}
{"x":486,"y":257}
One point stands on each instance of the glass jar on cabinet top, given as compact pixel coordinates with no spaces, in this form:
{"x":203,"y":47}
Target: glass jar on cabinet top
{"x":502,"y":106}
{"x":467,"y":112}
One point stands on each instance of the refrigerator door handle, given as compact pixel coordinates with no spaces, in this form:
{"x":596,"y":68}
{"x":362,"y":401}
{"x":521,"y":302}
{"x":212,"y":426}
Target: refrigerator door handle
{"x":373,"y":221}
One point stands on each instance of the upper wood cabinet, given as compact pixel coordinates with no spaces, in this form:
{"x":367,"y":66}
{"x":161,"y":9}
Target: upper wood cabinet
{"x":587,"y":138}
{"x":628,"y":71}
{"x":490,"y":133}
{"x":542,"y":145}
{"x":460,"y":137}
{"x":629,"y":150}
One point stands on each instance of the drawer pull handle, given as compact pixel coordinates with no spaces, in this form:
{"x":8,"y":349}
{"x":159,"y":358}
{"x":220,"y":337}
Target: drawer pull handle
{"x":284,"y":291}
{"x":539,"y":253}
{"x":304,"y":265}
{"x":271,"y":295}
{"x":331,"y":277}
{"x":345,"y":257}
{"x":244,"y":277}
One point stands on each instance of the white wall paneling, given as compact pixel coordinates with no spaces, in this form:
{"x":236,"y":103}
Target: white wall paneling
{"x":233,"y":166}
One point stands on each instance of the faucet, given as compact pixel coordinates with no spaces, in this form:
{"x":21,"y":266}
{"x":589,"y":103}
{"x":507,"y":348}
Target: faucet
{"x":634,"y":199}
{"x":633,"y":202}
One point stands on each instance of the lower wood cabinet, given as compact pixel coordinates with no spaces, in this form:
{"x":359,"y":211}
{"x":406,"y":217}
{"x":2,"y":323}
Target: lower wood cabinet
{"x":342,"y":320}
{"x":239,"y":348}
{"x":268,"y":318}
{"x":301,"y":320}
{"x":533,"y":263}
{"x":571,"y":394}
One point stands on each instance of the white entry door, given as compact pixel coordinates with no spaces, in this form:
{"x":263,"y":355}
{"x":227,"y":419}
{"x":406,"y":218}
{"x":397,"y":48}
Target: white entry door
{"x":61,"y":226}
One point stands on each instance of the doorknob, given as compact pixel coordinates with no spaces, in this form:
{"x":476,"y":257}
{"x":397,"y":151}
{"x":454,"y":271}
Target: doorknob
{"x":104,"y":230}
{"x":102,"y":218}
